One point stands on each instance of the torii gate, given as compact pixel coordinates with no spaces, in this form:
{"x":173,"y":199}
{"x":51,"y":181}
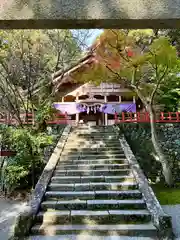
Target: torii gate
{"x":76,"y":14}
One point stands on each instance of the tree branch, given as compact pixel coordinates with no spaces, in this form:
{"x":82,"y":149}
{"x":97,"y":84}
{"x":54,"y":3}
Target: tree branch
{"x":158,"y":84}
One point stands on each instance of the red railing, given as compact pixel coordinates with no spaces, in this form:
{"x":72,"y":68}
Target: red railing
{"x":162,"y":117}
{"x":28,"y":119}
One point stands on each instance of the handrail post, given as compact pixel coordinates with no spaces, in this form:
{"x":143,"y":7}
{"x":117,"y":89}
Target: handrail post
{"x":123,"y":117}
{"x":177,"y":116}
{"x":116,"y":117}
{"x":138,"y":116}
{"x":162,"y":116}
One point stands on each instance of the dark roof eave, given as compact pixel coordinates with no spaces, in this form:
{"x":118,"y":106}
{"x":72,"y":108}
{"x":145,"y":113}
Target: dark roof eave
{"x":60,"y":72}
{"x":66,"y":74}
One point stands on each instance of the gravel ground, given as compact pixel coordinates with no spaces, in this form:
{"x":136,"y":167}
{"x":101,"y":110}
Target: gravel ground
{"x":174,"y":211}
{"x":8,"y":211}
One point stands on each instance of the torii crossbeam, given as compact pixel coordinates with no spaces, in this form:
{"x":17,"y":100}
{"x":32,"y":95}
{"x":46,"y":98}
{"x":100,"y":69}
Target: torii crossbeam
{"x":76,"y":14}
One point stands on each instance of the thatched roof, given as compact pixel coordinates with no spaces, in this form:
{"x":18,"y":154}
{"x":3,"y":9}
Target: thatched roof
{"x":62,"y":76}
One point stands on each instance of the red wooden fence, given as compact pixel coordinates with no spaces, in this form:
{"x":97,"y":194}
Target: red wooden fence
{"x":143,"y":117}
{"x":28,"y":119}
{"x":128,"y":117}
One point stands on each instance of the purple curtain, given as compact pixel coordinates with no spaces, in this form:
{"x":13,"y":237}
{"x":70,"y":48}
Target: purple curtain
{"x":112,"y":108}
{"x":73,"y":108}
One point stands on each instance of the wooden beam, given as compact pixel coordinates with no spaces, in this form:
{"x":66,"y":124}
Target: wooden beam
{"x":76,"y":14}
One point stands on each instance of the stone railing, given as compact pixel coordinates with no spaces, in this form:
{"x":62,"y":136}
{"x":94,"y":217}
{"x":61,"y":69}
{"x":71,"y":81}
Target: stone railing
{"x":160,"y":220}
{"x":25,"y":218}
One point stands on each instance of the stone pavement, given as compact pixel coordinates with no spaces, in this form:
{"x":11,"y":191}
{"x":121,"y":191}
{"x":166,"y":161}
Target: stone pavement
{"x":8,"y":210}
{"x":174,"y":212}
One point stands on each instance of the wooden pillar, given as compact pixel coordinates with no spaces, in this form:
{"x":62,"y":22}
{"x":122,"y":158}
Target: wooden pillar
{"x":105,"y":115}
{"x":62,"y":99}
{"x":77,"y":114}
{"x":134,"y":99}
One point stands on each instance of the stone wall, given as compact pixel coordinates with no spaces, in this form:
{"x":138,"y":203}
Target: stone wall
{"x":159,"y":218}
{"x":55,"y":131}
{"x":139,"y":138}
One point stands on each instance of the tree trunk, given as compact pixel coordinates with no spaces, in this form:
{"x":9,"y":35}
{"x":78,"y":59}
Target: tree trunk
{"x":164,"y":163}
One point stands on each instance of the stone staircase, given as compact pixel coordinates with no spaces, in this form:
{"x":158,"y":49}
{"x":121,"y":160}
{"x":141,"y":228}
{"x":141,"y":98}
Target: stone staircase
{"x":93,"y":193}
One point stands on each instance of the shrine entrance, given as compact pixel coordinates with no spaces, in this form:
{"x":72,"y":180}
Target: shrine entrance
{"x":92,"y":118}
{"x":91,"y":114}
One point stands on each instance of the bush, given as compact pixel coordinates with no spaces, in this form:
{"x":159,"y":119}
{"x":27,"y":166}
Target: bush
{"x":24,"y":168}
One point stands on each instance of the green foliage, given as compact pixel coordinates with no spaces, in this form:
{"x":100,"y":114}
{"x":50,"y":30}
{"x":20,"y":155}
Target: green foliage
{"x":13,"y":175}
{"x":23,"y":139}
{"x":149,"y":70}
{"x":27,"y":60}
{"x":163,"y":54}
{"x":142,"y":36}
{"x":169,"y":94}
{"x":45,"y":112}
{"x":29,"y":158}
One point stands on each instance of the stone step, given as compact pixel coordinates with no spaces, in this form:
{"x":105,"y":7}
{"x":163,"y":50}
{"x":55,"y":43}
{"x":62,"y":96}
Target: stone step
{"x":92,"y":152}
{"x":88,"y":172}
{"x":93,"y":133}
{"x":93,"y":194}
{"x":138,"y":230}
{"x":92,"y":128}
{"x":90,"y":142}
{"x":89,"y":161}
{"x":88,"y":179}
{"x":92,"y":217}
{"x":92,"y":166}
{"x":87,"y":237}
{"x":69,"y":195}
{"x":92,"y":186}
{"x":94,"y":147}
{"x":115,"y":204}
{"x":90,"y":136}
{"x":66,"y":179}
{"x":91,"y":156}
{"x":94,"y":139}
{"x":85,"y":144}
{"x":93,"y":204}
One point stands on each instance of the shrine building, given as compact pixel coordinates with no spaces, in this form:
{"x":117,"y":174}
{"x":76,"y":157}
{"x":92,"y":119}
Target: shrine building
{"x":89,"y":103}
